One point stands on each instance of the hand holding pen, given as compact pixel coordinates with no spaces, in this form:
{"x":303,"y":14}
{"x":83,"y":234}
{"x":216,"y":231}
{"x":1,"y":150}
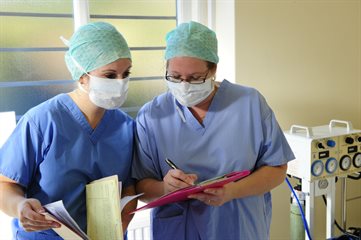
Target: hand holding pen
{"x":176,"y":178}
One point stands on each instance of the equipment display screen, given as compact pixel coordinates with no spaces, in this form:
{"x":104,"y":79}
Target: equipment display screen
{"x":324,"y":154}
{"x":352,"y":149}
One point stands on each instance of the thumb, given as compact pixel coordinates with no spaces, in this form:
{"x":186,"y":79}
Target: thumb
{"x":36,"y":205}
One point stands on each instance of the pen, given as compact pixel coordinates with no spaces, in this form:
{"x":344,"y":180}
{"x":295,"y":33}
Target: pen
{"x":171,"y":164}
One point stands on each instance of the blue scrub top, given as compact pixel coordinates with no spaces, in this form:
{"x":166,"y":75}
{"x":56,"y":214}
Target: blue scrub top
{"x":53,"y":153}
{"x":239,"y":132}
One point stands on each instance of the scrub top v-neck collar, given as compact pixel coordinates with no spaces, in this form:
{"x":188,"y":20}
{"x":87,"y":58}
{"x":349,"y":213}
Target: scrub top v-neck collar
{"x":94,"y":134}
{"x":192,"y":121}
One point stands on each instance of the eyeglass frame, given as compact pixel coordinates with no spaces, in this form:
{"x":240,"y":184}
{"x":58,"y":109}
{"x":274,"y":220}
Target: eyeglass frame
{"x":179,"y":80}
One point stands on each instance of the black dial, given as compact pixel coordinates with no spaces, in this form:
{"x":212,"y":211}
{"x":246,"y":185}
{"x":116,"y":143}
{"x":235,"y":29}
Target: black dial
{"x":349,"y":140}
{"x":345,"y":162}
{"x":357,"y":160}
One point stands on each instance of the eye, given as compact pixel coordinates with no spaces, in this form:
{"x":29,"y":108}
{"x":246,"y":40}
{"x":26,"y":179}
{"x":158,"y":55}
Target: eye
{"x":126,"y":74}
{"x":175,"y":77}
{"x":111,"y":75}
{"x":194,"y":78}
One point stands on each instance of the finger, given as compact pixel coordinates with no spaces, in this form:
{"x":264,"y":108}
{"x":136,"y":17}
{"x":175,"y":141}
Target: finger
{"x":200,"y":196}
{"x":30,"y":217}
{"x":32,"y":209}
{"x":39,"y":226}
{"x":181,"y":176}
{"x":30,"y":228}
{"x":31,"y":225}
{"x":35,"y":223}
{"x":213,"y":191}
{"x":35,"y":217}
{"x":36,"y":205}
{"x":179,"y":179}
{"x":193,"y":177}
{"x":177,"y":183}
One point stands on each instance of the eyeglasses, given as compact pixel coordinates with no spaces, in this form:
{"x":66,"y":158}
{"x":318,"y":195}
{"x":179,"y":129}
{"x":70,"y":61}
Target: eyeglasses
{"x":190,"y":80}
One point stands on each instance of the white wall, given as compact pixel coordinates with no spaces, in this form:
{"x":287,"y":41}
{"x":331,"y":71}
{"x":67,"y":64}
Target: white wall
{"x":5,"y":229}
{"x":7,"y":125}
{"x":305,"y":58}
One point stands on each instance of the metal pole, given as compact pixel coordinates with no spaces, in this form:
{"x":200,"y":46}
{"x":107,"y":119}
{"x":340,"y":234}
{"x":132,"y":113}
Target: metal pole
{"x":330,"y":217}
{"x":309,"y":189}
{"x":343,"y":202}
{"x":80,"y":13}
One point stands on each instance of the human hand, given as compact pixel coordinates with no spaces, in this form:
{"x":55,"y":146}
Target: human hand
{"x":176,"y":179}
{"x":214,"y":196}
{"x":31,"y":217}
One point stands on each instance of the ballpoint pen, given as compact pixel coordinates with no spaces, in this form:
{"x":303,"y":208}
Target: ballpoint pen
{"x":171,"y":164}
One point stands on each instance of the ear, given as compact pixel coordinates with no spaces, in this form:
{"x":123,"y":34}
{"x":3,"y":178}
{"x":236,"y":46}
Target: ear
{"x":84,"y":80}
{"x":214,"y":69}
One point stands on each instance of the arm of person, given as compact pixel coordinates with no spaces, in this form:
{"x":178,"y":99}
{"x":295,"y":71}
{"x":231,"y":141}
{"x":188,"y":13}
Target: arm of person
{"x":151,"y":188}
{"x":259,"y":182}
{"x":132,"y":205}
{"x":27,"y":210}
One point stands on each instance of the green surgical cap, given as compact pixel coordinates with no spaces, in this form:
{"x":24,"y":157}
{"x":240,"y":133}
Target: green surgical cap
{"x":192,"y":40}
{"x":95,"y":45}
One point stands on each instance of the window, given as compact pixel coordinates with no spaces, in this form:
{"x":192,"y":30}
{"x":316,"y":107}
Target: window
{"x":32,"y":67}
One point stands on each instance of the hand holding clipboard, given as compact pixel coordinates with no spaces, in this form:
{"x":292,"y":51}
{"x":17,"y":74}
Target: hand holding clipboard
{"x":182,"y":194}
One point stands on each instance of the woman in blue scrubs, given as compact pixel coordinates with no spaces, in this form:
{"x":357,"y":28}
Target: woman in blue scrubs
{"x":208,"y":129}
{"x":71,"y":139}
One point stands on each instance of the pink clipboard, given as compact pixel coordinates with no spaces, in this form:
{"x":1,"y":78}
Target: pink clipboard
{"x":182,"y":194}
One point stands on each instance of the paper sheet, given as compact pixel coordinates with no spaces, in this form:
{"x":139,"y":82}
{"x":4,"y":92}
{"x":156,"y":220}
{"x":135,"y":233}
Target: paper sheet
{"x":69,"y":229}
{"x":103,"y":212}
{"x":125,"y":200}
{"x":103,"y":209}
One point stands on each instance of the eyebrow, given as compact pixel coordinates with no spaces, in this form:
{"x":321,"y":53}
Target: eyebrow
{"x":175,"y":72}
{"x":112,"y":70}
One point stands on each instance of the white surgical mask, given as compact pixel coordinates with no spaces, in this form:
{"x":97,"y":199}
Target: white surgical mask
{"x":190,"y":95}
{"x":106,"y":92}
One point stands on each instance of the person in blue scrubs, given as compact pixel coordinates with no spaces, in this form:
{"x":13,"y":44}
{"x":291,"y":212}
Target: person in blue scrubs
{"x":73,"y":138}
{"x":208,"y":129}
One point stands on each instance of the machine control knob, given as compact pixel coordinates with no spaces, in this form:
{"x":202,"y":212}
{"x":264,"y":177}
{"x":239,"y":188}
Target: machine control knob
{"x":331,"y":143}
{"x":357,"y":160}
{"x":358,"y":139}
{"x":349,"y":140}
{"x":320,"y":145}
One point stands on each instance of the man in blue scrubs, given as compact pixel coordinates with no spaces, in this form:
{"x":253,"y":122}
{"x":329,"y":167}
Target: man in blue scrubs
{"x":72,"y":139}
{"x":208,"y":129}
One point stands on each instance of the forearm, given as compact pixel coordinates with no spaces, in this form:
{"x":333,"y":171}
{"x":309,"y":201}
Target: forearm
{"x":132,"y":205}
{"x":11,"y":194}
{"x":151,"y":188}
{"x":259,"y":182}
